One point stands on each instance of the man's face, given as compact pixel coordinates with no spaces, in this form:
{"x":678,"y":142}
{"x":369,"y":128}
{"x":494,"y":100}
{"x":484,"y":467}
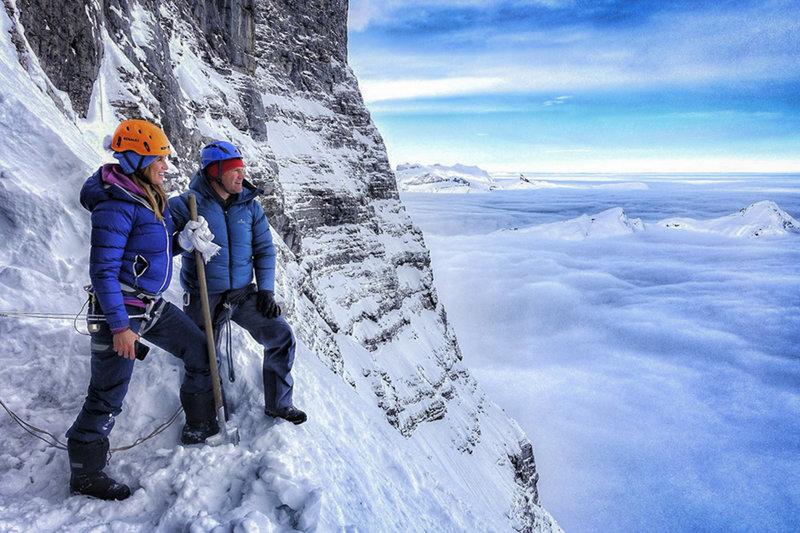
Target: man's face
{"x":232,"y":180}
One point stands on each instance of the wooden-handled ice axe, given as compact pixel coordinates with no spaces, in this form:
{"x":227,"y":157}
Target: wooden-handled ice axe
{"x":226,"y":434}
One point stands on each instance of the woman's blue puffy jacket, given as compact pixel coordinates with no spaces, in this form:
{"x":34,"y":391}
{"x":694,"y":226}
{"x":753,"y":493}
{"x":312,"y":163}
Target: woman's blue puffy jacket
{"x":130,"y":246}
{"x":241,"y":231}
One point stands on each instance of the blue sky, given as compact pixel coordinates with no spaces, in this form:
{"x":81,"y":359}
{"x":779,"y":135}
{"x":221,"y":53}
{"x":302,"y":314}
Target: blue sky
{"x":583,"y":86}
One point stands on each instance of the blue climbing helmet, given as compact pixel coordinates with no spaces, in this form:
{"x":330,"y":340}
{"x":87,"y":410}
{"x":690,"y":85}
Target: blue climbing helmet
{"x":216,"y":158}
{"x":219,"y":151}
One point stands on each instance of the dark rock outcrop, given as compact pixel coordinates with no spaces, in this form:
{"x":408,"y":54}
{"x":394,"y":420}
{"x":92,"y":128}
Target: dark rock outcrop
{"x":63,"y":36}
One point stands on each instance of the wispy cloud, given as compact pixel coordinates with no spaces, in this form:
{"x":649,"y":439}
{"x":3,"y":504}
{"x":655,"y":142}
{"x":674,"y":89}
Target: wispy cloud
{"x":381,"y":90}
{"x":558,"y":100}
{"x":364,"y":13}
{"x":676,"y":46}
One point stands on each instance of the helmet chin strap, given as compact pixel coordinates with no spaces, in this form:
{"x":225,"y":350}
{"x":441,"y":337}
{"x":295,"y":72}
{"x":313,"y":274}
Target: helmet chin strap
{"x":218,"y":179}
{"x":137,"y":171}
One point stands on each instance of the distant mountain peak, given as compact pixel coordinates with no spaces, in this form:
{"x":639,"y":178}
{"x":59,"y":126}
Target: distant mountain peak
{"x":609,"y":223}
{"x":415,"y":177}
{"x":756,"y":220}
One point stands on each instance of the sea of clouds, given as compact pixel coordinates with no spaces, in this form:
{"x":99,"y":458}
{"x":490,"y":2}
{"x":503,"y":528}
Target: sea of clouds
{"x":655,"y":368}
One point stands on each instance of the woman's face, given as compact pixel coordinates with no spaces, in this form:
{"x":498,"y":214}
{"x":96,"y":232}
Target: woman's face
{"x":155,"y":170}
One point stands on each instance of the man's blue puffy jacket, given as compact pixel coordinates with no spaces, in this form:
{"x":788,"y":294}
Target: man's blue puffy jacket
{"x":130,"y":245}
{"x":241,"y":231}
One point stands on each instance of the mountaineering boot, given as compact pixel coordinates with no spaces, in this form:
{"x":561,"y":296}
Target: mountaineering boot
{"x":291,"y":413}
{"x":201,"y":419}
{"x":86,"y":462}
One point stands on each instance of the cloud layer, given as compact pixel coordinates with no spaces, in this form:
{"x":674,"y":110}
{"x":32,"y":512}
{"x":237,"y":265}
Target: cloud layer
{"x":655,"y":372}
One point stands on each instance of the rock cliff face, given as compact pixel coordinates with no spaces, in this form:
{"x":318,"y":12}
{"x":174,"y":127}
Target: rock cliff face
{"x":272,"y":77}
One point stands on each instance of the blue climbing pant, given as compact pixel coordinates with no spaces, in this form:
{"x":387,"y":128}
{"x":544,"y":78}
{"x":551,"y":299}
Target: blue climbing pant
{"x":173,"y":331}
{"x":274,"y":334}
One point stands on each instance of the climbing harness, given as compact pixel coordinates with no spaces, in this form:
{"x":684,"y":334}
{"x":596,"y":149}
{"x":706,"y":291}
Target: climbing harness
{"x":152,"y":311}
{"x":153,"y":305}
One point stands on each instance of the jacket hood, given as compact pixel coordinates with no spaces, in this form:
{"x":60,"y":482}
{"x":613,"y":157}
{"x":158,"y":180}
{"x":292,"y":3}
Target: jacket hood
{"x":201,"y":185}
{"x":109,"y":182}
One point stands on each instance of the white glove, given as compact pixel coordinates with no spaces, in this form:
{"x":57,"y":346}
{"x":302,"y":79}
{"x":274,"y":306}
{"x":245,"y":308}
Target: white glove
{"x":197,"y":236}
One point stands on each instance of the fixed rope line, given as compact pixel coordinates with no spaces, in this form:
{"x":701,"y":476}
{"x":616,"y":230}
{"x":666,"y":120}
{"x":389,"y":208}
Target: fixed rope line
{"x":54,"y":316}
{"x":53,"y":441}
{"x":58,"y":316}
{"x":33,"y":430}
{"x":160,"y":429}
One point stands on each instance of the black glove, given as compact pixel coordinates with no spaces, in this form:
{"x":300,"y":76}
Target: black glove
{"x":265,"y":301}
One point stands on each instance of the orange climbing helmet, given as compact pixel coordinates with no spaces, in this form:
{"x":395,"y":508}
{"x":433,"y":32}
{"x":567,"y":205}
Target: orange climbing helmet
{"x":140,"y":136}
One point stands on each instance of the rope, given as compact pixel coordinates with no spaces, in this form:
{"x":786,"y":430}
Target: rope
{"x":226,"y":326}
{"x":75,"y":322}
{"x":160,"y":429}
{"x":33,"y":430}
{"x":54,"y":316}
{"x":229,"y":349}
{"x":53,"y":441}
{"x":57,"y":316}
{"x":62,"y":316}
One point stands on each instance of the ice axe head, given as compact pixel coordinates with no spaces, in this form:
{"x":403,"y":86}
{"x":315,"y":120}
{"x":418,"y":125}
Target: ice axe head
{"x":227,"y":434}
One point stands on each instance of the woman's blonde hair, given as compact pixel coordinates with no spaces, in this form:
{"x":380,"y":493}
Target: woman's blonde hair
{"x":153,"y":193}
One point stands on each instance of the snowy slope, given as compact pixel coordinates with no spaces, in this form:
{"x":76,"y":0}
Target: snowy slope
{"x":414,"y":177}
{"x":400,"y":436}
